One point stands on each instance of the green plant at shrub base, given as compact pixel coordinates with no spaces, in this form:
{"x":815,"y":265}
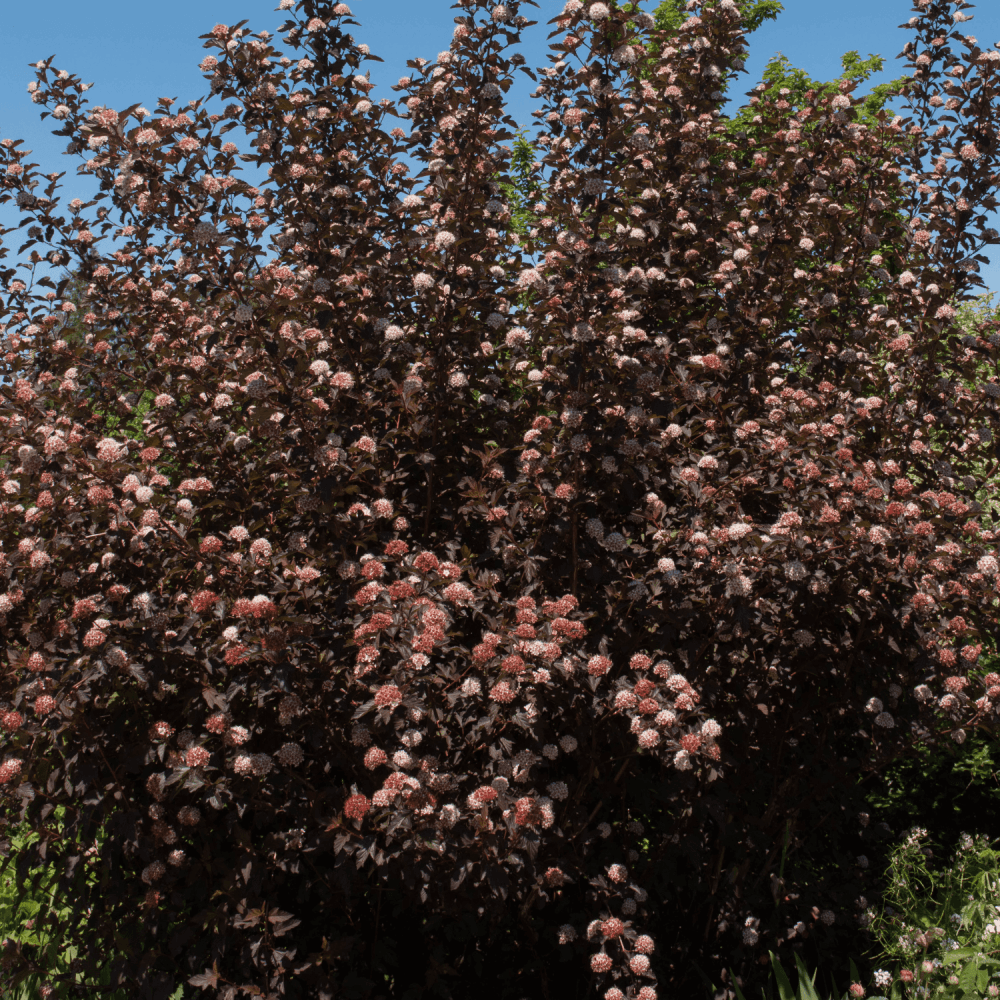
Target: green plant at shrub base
{"x":24,"y":919}
{"x":806,"y":988}
{"x":944,"y":788}
{"x":941,"y":922}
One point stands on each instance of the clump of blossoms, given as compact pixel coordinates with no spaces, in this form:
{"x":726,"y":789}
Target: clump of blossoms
{"x":505,"y":592}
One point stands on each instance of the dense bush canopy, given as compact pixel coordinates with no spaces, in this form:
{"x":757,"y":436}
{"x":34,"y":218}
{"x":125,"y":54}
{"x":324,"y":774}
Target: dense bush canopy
{"x":427,"y":605}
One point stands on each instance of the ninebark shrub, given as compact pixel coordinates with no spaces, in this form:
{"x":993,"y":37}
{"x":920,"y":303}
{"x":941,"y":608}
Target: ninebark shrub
{"x":555,"y":591}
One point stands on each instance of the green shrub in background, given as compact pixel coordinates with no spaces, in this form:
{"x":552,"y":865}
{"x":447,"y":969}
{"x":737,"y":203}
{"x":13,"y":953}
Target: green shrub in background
{"x":946,"y":789}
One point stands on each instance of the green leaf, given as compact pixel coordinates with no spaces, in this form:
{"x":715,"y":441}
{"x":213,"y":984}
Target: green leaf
{"x":855,"y":975}
{"x":958,"y":955}
{"x":736,"y":986}
{"x":807,"y":985}
{"x":967,"y":979}
{"x":982,"y":978}
{"x":785,"y":991}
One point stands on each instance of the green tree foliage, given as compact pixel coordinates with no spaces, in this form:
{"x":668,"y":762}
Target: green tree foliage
{"x":671,"y":14}
{"x":794,"y":84}
{"x":781,"y":74}
{"x":944,"y":788}
{"x":521,"y":190}
{"x":74,"y":331}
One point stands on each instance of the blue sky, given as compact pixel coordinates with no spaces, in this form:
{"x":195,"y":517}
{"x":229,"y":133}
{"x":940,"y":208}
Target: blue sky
{"x":139,"y":52}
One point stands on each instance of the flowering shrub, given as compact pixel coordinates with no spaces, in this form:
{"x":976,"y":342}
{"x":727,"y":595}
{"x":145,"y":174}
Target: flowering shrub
{"x":549,"y":588}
